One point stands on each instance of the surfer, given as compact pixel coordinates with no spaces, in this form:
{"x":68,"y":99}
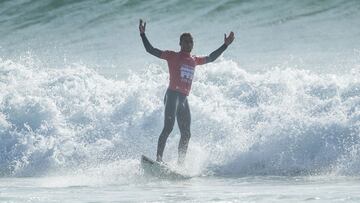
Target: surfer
{"x":181,"y":69}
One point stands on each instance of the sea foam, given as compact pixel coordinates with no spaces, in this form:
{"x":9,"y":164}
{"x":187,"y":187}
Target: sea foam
{"x":280,"y":122}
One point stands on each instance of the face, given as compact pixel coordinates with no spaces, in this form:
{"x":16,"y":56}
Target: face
{"x":186,"y":43}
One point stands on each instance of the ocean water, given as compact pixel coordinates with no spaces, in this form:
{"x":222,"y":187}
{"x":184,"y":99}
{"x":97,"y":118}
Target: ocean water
{"x":275,"y":119}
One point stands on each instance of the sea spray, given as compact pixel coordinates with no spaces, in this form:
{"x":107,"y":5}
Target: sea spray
{"x":280,"y":122}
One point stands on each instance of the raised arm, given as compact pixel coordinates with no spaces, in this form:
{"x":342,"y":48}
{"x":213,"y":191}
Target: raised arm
{"x":215,"y":54}
{"x":149,"y":48}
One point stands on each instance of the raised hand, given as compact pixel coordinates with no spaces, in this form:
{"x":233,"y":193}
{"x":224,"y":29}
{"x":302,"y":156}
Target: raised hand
{"x":228,"y":40}
{"x":142,"y":26}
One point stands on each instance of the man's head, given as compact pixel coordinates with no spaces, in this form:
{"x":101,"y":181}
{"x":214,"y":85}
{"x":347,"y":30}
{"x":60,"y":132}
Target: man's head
{"x":186,"y":42}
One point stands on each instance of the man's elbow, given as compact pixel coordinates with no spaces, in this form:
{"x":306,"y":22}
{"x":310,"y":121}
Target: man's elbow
{"x":210,"y":59}
{"x":148,"y":50}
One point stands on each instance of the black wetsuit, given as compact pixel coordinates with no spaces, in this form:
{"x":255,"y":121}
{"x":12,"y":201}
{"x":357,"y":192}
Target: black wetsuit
{"x":176,"y":107}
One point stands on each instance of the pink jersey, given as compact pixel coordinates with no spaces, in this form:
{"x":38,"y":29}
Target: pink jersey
{"x":181,"y":68}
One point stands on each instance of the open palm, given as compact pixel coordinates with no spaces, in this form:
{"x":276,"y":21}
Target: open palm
{"x":228,"y":40}
{"x":142,"y":26}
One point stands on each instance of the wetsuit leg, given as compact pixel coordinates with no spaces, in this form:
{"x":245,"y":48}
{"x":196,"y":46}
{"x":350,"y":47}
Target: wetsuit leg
{"x":183,"y":120}
{"x":171,"y":103}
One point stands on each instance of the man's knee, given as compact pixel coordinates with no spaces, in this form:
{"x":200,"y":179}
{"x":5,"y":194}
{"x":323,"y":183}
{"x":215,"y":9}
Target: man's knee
{"x":185,"y":135}
{"x":185,"y":131}
{"x":169,"y":124}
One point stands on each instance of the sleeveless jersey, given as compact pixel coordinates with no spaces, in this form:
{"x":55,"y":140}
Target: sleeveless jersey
{"x":181,"y":69}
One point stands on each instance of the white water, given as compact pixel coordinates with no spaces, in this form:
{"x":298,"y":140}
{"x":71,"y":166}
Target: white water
{"x":281,"y":122}
{"x":247,"y":189}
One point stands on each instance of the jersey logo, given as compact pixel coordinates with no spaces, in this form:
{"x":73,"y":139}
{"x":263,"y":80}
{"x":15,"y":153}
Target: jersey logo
{"x":186,"y":73}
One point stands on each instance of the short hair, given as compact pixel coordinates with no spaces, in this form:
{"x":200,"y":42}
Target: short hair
{"x":185,"y":34}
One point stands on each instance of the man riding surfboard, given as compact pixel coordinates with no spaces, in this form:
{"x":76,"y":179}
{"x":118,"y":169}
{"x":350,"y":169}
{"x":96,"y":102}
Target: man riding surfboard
{"x":181,"y":69}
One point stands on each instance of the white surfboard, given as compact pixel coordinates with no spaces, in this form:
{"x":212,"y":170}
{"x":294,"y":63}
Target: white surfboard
{"x":160,"y":170}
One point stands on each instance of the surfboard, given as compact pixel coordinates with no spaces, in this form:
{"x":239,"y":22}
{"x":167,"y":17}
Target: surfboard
{"x":160,"y":170}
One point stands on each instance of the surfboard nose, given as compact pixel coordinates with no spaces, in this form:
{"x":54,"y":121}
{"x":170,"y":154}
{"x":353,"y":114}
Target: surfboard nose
{"x":160,"y":170}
